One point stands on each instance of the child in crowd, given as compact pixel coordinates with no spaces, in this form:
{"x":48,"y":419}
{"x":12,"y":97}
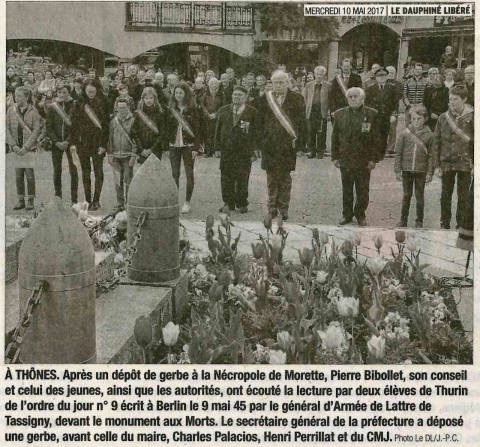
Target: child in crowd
{"x":122,"y":150}
{"x":123,"y":94}
{"x":414,"y":163}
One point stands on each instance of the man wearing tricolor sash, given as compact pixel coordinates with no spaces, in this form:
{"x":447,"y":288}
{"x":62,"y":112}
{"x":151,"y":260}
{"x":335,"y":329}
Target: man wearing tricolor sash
{"x":59,"y":124}
{"x":340,"y":84}
{"x":89,"y":137}
{"x":282,"y":129}
{"x":453,"y":154}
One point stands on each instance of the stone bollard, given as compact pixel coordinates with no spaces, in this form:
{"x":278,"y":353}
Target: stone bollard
{"x":57,"y":249}
{"x":154,"y":191}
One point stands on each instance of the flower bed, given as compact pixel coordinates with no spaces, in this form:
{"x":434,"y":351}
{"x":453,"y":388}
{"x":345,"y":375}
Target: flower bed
{"x":330,"y":308}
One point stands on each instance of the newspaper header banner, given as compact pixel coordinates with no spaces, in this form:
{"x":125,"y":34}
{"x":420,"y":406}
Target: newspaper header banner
{"x":375,"y":10}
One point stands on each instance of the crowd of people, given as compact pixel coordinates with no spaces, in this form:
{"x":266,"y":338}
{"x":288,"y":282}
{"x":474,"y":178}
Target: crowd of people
{"x":128,"y":117}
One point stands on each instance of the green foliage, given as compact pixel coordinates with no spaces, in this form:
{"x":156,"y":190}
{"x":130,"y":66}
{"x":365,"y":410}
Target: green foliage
{"x":257,"y":63}
{"x":276,"y":17}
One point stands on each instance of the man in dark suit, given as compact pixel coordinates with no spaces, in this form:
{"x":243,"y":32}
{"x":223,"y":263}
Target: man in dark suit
{"x":316,"y":102}
{"x":341,"y":83}
{"x":470,"y":84}
{"x":234,"y":142}
{"x":392,"y":135}
{"x":383,"y":97}
{"x":281,"y":126}
{"x":355,"y":153}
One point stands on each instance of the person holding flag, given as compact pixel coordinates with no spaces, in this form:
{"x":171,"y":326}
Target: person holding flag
{"x":282,"y":129}
{"x":90,"y":133}
{"x":59,"y":125}
{"x":453,"y":154}
{"x":183,"y":128}
{"x":340,"y":84}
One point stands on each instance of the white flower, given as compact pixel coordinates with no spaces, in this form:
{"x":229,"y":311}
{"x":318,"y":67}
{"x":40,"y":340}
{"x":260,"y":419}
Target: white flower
{"x":321,"y":277}
{"x":347,"y":306}
{"x":333,"y":337}
{"x":276,"y":242}
{"x":376,"y":347}
{"x":118,"y":259}
{"x":377,"y":264}
{"x":170,"y":333}
{"x":357,"y":239}
{"x":411,"y":244}
{"x":284,"y":340}
{"x":277,"y":357}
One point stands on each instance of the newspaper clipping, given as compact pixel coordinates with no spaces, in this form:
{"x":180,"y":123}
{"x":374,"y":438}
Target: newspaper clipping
{"x":261,"y":232}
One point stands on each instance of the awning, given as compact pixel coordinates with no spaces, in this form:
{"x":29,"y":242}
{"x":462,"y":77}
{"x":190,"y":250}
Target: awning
{"x":446,"y":31}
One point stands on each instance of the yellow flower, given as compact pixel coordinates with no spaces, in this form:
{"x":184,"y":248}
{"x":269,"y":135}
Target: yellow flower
{"x":323,"y":238}
{"x":210,"y":221}
{"x":306,"y":256}
{"x":276,"y":242}
{"x":400,"y":236}
{"x":143,"y":331}
{"x":376,"y":347}
{"x":170,"y":333}
{"x":411,"y":244}
{"x":348,"y":306}
{"x":258,"y":250}
{"x":277,"y":357}
{"x":378,"y":241}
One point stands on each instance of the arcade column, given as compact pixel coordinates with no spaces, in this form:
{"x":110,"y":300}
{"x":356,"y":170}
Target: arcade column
{"x":332,"y":57}
{"x":402,"y":55}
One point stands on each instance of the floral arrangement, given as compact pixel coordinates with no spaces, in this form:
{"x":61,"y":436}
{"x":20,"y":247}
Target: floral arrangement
{"x":330,"y":308}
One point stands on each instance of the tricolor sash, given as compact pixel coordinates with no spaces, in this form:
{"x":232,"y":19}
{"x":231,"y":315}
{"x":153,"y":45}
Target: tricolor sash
{"x":93,"y":118}
{"x":342,"y":85}
{"x":144,"y":117}
{"x":20,"y":120}
{"x":416,"y":140}
{"x":62,"y":113}
{"x":124,"y":131}
{"x":182,"y":122}
{"x":281,"y":116}
{"x":455,"y":127}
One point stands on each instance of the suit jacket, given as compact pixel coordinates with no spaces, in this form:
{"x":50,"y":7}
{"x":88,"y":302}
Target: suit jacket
{"x":355,"y":137}
{"x":337,"y":98}
{"x":278,"y":147}
{"x":385,"y":101}
{"x":236,"y":142}
{"x":324,"y":94}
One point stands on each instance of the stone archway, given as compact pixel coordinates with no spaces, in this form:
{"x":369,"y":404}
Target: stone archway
{"x":370,"y":43}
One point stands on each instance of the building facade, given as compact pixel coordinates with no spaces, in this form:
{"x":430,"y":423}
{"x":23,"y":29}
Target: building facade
{"x":206,"y":35}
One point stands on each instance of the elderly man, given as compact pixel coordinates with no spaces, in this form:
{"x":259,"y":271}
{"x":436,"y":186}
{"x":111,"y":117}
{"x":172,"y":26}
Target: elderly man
{"x":131,"y":80}
{"x":355,"y":153}
{"x":282,"y":127}
{"x":448,"y":60}
{"x":470,"y":84}
{"x":172,"y":81}
{"x":383,"y":97}
{"x":232,"y":80}
{"x":316,"y":100}
{"x":341,"y":83}
{"x":234,"y":142}
{"x":370,"y":78}
{"x":453,"y":154}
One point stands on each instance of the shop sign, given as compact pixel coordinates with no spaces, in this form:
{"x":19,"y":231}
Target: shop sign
{"x":359,"y":20}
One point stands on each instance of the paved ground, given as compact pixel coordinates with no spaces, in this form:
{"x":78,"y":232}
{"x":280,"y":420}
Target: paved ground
{"x":316,"y":192}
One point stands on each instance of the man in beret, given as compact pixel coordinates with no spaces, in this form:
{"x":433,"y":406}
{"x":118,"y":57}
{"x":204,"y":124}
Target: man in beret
{"x":383,"y":97}
{"x":234,"y":141}
{"x":355,"y":153}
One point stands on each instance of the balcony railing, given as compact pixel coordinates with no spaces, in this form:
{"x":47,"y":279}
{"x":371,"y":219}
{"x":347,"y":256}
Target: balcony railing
{"x":189,"y":16}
